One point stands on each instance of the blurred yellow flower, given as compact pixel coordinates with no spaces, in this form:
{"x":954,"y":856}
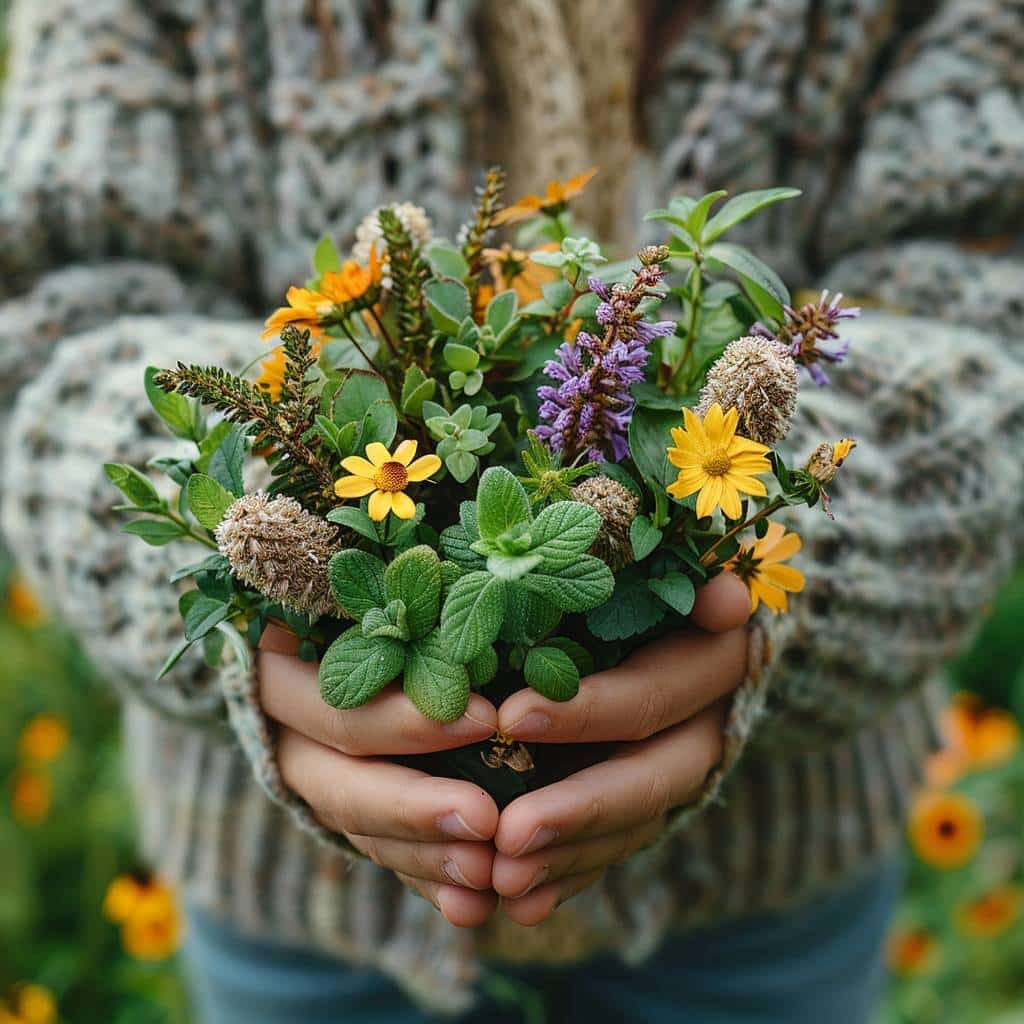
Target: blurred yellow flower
{"x":43,"y":738}
{"x":557,"y":194}
{"x":353,"y":281}
{"x":148,"y":914}
{"x":714,"y":460}
{"x":992,"y":913}
{"x":911,"y":951}
{"x":271,"y":378}
{"x":386,"y":476}
{"x":976,"y":737}
{"x":759,"y":566}
{"x":29,"y":1004}
{"x":513,"y":268}
{"x":23,"y":607}
{"x":31,"y":796}
{"x":945,"y":829}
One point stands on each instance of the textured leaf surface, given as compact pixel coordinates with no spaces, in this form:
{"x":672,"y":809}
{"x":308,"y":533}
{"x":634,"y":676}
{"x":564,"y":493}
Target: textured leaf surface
{"x":439,"y":688}
{"x":676,"y":590}
{"x":501,"y":503}
{"x":456,"y":545}
{"x":357,"y":581}
{"x":355,"y":668}
{"x":563,"y":532}
{"x":208,"y":500}
{"x":136,"y":487}
{"x":552,"y":673}
{"x":390,"y":622}
{"x":577,"y":587}
{"x":414,"y":578}
{"x":227,"y":461}
{"x":483,"y":668}
{"x":529,"y":617}
{"x":472,"y":615}
{"x":632,"y":609}
{"x":581,"y":657}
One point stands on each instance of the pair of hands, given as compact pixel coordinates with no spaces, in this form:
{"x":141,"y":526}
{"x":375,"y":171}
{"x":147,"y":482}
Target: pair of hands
{"x":665,"y":706}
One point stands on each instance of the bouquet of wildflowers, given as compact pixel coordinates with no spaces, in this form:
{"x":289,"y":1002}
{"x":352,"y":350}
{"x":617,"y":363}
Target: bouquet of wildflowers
{"x":489,"y":466}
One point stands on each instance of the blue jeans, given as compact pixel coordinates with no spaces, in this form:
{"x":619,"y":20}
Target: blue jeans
{"x":820,"y":962}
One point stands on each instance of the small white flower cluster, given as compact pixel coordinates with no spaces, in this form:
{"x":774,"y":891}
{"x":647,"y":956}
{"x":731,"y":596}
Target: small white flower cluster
{"x":414,"y":219}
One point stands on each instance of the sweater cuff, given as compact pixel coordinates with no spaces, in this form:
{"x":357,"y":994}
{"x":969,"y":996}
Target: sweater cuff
{"x":747,"y":710}
{"x":255,"y":736}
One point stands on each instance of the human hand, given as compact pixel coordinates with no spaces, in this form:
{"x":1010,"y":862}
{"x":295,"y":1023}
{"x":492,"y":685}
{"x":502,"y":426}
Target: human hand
{"x":667,"y":701}
{"x":435,"y":834}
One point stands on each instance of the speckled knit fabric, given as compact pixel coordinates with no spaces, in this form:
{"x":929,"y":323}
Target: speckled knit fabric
{"x":164,"y":169}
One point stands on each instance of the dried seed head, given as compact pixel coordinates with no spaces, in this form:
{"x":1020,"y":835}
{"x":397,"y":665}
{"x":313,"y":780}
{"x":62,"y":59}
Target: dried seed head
{"x":618,"y":507}
{"x":275,"y":546}
{"x":826,"y":459}
{"x":653,"y":254}
{"x":758,"y":377}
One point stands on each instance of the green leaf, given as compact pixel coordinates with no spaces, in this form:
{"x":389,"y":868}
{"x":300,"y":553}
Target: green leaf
{"x":483,"y":668}
{"x":174,"y":409}
{"x":355,"y":668}
{"x":448,"y":304}
{"x":529,"y":617}
{"x":649,"y":441}
{"x":456,"y":545}
{"x":214,"y":563}
{"x":552,"y":673}
{"x":462,"y":465}
{"x":446,"y":261}
{"x":557,"y":293}
{"x":577,"y":587}
{"x":417,"y":388}
{"x":414,"y":578}
{"x":355,"y":519}
{"x":174,"y":657}
{"x":211,"y":442}
{"x":472,"y":615}
{"x":208,"y":500}
{"x":699,"y":214}
{"x":156,"y":532}
{"x":203,"y":614}
{"x":227,"y":461}
{"x":631,"y":610}
{"x":740,"y":207}
{"x":644,"y":536}
{"x":540,"y":351}
{"x":650,"y":396}
{"x":325,"y":256}
{"x":460,"y":357}
{"x":238,"y":644}
{"x":766,"y":304}
{"x":135,"y":486}
{"x":512,"y":567}
{"x":388,"y":622}
{"x":501,"y":501}
{"x":357,"y":581}
{"x":379,"y":424}
{"x":676,"y":590}
{"x":750,"y":269}
{"x":439,"y":688}
{"x":501,"y":311}
{"x":581,"y":657}
{"x":564,"y":531}
{"x":357,"y":394}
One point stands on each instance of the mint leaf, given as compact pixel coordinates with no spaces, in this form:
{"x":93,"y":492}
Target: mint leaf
{"x":577,"y":587}
{"x":483,"y":668}
{"x":356,"y":668}
{"x":551,"y":672}
{"x":414,"y":578}
{"x":439,"y":688}
{"x":456,"y":544}
{"x":390,"y":622}
{"x":208,"y":500}
{"x":472,"y":615}
{"x":529,"y":617}
{"x":563,"y":532}
{"x":676,"y":590}
{"x":501,"y":503}
{"x":357,"y":581}
{"x":512,"y":567}
{"x":631,"y":610}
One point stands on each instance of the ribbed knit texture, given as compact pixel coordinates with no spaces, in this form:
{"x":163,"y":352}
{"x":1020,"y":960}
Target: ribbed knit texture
{"x":182,"y":158}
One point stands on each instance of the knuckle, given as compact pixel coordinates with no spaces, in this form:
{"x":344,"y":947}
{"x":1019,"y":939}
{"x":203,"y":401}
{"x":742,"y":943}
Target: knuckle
{"x":651,"y":713}
{"x":337,"y":727}
{"x":657,"y":796}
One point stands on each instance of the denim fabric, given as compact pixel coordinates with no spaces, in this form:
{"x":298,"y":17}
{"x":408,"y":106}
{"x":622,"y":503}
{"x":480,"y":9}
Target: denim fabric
{"x":819,"y":962}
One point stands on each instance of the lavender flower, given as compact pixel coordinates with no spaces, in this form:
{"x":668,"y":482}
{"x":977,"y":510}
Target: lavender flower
{"x":589,"y":408}
{"x":805,"y":329}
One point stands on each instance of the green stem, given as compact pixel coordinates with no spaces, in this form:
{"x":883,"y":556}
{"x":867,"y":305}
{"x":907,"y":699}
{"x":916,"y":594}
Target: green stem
{"x":768,"y":510}
{"x":187,"y":527}
{"x":691,"y":330}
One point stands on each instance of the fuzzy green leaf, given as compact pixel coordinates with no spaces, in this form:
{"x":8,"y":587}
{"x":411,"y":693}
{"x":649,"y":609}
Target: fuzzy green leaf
{"x":581,"y":657}
{"x":417,"y":388}
{"x":446,"y":261}
{"x":355,"y":668}
{"x":501,"y":503}
{"x":552,"y":673}
{"x":448,"y":304}
{"x":644,"y":537}
{"x":631,"y":610}
{"x":512,"y":567}
{"x":483,"y":668}
{"x":472,"y":615}
{"x":457,"y":545}
{"x":676,"y":590}
{"x":439,"y":688}
{"x":136,"y":487}
{"x":740,"y":207}
{"x":564,"y":531}
{"x":529,"y":617}
{"x":357,"y":581}
{"x":501,"y":311}
{"x":390,"y":622}
{"x":577,"y":587}
{"x":461,"y":464}
{"x":414,"y":578}
{"x":208,"y":500}
{"x":155,"y":532}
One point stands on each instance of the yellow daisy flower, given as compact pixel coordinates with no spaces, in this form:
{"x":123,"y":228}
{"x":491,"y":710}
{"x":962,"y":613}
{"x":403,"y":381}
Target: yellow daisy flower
{"x":513,"y":268}
{"x":714,"y":460}
{"x":271,"y":378}
{"x":558,"y":193}
{"x":945,"y":829}
{"x":386,"y":475}
{"x":758,"y":565}
{"x":148,"y":914}
{"x":353,"y":281}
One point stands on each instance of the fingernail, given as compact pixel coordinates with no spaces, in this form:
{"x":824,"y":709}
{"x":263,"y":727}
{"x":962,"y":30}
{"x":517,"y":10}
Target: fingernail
{"x":530,"y":726}
{"x":540,"y":838}
{"x":453,"y":824}
{"x":452,"y":871}
{"x":537,"y":879}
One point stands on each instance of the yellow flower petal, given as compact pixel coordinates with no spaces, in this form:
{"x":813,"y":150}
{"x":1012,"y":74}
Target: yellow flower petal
{"x":352,"y":487}
{"x":404,"y":452}
{"x":424,"y":466}
{"x":681,"y":458}
{"x":714,"y":426}
{"x":746,"y":484}
{"x":773,"y":597}
{"x":359,"y":466}
{"x":377,"y":453}
{"x":710,"y":497}
{"x":730,"y":500}
{"x":402,"y":505}
{"x":695,"y":429}
{"x":380,"y":505}
{"x":732,"y":418}
{"x":784,"y":576}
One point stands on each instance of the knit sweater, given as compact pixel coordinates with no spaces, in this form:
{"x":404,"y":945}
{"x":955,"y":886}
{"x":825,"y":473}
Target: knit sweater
{"x":164,"y":170}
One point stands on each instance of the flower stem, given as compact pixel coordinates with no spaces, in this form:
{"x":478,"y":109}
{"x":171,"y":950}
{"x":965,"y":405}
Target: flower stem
{"x":691,"y":330}
{"x":768,"y":510}
{"x":187,"y":527}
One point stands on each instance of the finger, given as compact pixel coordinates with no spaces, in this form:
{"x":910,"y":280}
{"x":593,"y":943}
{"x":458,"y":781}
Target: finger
{"x":460,"y":907}
{"x":537,"y":906}
{"x":277,"y":638}
{"x":639,"y":784}
{"x":388,"y":724}
{"x":464,"y":864}
{"x":723,"y":603}
{"x":514,"y":877}
{"x":655,"y":688}
{"x":369,"y":797}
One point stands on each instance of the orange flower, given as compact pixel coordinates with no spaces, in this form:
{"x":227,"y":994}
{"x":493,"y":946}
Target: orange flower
{"x":23,"y":607}
{"x":513,"y":268}
{"x":31,"y":797}
{"x":911,"y":951}
{"x":43,"y":738}
{"x":558,"y":193}
{"x":29,"y":1004}
{"x":976,"y":737}
{"x":271,"y":378}
{"x":148,"y":914}
{"x":945,"y":829}
{"x":352,"y":282}
{"x":304,"y":309}
{"x":992,"y":913}
{"x":759,"y":566}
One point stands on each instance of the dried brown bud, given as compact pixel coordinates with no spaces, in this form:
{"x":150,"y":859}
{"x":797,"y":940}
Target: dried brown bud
{"x":618,"y":507}
{"x":653,"y":254}
{"x":277,"y":547}
{"x":827,"y":458}
{"x":757,"y":376}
